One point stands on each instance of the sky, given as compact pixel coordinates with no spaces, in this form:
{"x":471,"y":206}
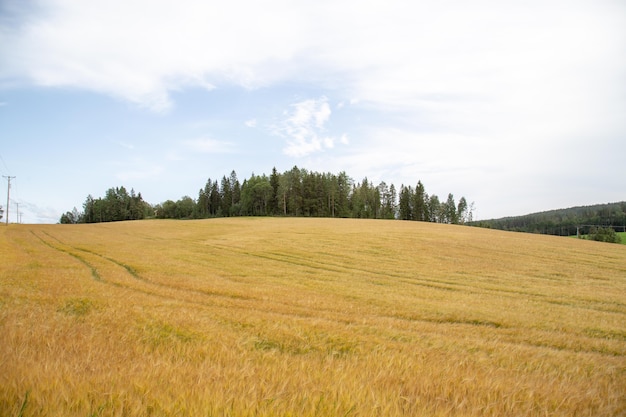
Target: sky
{"x":519,"y":106}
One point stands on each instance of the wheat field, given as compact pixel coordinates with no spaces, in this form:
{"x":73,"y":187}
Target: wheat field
{"x":308,"y":317}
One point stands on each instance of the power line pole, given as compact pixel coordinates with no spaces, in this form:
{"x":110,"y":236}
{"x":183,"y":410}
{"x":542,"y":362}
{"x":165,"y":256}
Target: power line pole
{"x":8,"y":177}
{"x":17,"y":214}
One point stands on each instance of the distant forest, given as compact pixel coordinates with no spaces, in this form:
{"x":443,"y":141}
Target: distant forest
{"x":296,"y":192}
{"x":572,"y":221}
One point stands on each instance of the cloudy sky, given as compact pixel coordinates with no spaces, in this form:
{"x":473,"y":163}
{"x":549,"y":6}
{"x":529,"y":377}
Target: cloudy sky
{"x":520,"y":106}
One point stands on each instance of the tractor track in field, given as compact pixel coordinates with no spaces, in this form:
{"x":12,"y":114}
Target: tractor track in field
{"x":244,"y":303}
{"x":443,"y":285}
{"x":95,"y":272}
{"x":188,"y":296}
{"x":79,"y":254}
{"x":333,"y":267}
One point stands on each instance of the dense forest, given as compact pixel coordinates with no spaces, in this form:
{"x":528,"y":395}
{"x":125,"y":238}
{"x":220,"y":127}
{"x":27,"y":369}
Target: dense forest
{"x":296,"y":192}
{"x":572,"y":221}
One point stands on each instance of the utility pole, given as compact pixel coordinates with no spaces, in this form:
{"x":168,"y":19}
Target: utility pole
{"x":8,"y":177}
{"x":17,"y":212}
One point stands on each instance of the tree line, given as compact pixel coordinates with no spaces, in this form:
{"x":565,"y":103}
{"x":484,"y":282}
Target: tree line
{"x":116,"y":205}
{"x":296,"y":192}
{"x":581,"y":220}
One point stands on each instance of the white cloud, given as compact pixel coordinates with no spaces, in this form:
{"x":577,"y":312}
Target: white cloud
{"x":34,"y":213}
{"x":487,"y":88}
{"x":304,"y":128}
{"x":515,"y":57}
{"x":142,"y":50}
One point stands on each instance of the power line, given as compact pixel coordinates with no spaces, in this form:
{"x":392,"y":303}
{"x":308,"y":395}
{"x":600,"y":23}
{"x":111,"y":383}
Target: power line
{"x":4,"y":163}
{"x":8,"y":177}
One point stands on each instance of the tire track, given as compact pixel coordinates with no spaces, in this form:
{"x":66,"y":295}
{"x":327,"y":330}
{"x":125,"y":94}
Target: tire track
{"x":250,"y":305}
{"x":94,"y":272}
{"x":443,"y":285}
{"x":229,"y":300}
{"x":97,"y":274}
{"x":222,"y":301}
{"x":133,"y":273}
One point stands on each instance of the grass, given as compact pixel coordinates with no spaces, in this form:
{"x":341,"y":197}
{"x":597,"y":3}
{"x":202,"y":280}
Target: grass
{"x":77,"y":306}
{"x":308,"y":317}
{"x":622,"y":236}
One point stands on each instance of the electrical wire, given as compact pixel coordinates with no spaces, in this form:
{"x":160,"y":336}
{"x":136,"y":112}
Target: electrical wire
{"x":5,"y":166}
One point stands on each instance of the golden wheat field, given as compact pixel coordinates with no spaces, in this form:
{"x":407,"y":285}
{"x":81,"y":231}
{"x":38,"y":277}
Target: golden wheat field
{"x":308,"y":317}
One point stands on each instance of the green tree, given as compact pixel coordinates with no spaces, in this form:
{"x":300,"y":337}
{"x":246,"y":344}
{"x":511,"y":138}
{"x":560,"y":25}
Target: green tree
{"x":203,"y":202}
{"x":387,"y":200}
{"x":71,"y":217}
{"x":357,"y":201}
{"x":88,"y":209}
{"x":344,"y":184}
{"x":365,"y":200}
{"x":393,"y":198}
{"x":604,"y":234}
{"x":256,"y":194}
{"x":184,"y":208}
{"x":462,"y":211}
{"x":420,"y":202}
{"x":331,"y":188}
{"x":449,"y":211}
{"x":137,"y":206}
{"x":296,"y":192}
{"x":166,"y":210}
{"x":290,"y":191}
{"x":202,"y":205}
{"x":434,"y":210}
{"x":311,"y":194}
{"x":215,"y":199}
{"x":236,"y":193}
{"x":274,"y":199}
{"x":117,"y":205}
{"x":405,"y":211}
{"x":226,"y":194}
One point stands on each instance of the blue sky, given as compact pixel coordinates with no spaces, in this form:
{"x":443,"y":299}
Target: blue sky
{"x":518,"y":106}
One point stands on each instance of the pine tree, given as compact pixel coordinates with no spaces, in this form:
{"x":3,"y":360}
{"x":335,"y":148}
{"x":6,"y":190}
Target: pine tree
{"x":236,"y":193}
{"x":404,"y":205}
{"x":226,"y":196}
{"x":275,"y":184}
{"x":420,"y":201}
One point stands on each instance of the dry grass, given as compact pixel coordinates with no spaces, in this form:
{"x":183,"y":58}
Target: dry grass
{"x":308,"y":317}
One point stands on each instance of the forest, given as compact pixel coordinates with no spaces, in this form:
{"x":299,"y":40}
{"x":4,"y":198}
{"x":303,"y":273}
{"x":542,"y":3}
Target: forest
{"x":581,"y":220}
{"x":295,"y":193}
{"x":116,"y":205}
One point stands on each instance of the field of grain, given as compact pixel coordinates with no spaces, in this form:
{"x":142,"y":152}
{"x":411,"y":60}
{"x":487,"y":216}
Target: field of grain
{"x":308,"y":317}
